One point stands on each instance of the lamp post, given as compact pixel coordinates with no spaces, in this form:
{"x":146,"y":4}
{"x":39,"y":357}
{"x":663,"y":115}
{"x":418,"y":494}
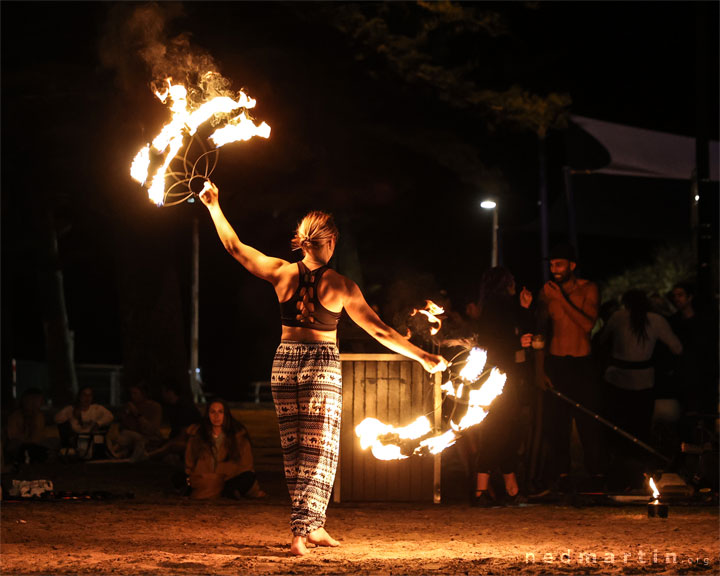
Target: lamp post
{"x":492,"y":205}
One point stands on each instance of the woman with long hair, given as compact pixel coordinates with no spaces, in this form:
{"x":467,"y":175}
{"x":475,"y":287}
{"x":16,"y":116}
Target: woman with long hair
{"x":306,"y":375}
{"x":631,"y":334}
{"x":218,"y":456}
{"x":504,"y":327}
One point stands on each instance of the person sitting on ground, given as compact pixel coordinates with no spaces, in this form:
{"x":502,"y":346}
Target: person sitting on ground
{"x":26,"y":430}
{"x":82,"y":417}
{"x":138,"y":429}
{"x":180,"y":412}
{"x":218,"y":457}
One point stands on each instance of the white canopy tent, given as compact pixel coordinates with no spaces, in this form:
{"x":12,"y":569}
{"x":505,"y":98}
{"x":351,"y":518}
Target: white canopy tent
{"x":646,"y":153}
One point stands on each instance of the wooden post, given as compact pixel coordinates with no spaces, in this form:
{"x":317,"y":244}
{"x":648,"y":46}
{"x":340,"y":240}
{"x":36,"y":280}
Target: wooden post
{"x":437,"y":463}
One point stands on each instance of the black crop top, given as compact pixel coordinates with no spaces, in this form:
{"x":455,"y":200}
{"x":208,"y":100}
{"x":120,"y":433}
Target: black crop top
{"x":304,"y":310}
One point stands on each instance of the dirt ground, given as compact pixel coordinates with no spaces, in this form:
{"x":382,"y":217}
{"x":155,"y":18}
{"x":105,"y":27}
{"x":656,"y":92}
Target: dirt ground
{"x":157,"y":532}
{"x":185,"y":537}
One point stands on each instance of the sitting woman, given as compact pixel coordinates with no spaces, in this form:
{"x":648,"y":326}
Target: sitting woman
{"x":218,"y":457}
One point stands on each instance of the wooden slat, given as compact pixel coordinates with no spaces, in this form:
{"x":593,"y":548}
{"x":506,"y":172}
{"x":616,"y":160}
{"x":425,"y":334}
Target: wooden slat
{"x":405,"y":418}
{"x":437,"y":425}
{"x":358,"y":416}
{"x":395,"y":489}
{"x":370,"y":461}
{"x":381,"y":467}
{"x":347,"y":435}
{"x":418,"y":407}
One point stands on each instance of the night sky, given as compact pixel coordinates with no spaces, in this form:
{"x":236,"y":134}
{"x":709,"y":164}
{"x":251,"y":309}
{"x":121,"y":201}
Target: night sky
{"x":402,"y":161}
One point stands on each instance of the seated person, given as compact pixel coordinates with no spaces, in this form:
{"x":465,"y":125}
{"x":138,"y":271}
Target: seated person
{"x":26,"y":440}
{"x":218,"y":457}
{"x":180,"y":413}
{"x":138,"y":428}
{"x":82,"y":418}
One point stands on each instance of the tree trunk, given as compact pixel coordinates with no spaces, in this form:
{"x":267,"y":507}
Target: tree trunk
{"x":58,"y":340}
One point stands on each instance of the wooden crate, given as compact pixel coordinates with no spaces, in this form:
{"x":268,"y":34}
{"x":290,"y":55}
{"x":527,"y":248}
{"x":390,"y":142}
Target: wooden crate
{"x":395,"y":390}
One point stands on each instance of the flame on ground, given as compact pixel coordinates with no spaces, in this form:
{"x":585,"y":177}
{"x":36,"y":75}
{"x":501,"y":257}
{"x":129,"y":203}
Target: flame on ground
{"x":390,"y":443}
{"x":656,"y":492}
{"x":185,"y":120}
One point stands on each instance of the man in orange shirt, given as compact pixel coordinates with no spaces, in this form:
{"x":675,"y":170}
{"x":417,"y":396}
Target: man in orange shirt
{"x":568,"y":309}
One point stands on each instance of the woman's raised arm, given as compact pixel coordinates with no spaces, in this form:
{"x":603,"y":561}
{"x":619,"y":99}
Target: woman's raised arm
{"x":365,"y":317}
{"x":257,"y":263}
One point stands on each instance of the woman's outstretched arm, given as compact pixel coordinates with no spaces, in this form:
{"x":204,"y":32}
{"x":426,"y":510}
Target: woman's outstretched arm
{"x":365,"y":317}
{"x":257,"y":263}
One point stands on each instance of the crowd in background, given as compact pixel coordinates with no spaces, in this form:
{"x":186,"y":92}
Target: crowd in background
{"x":644,"y":363}
{"x":211,"y":452}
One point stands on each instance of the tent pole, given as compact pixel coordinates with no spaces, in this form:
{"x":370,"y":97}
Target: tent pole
{"x":570,"y":201}
{"x":543,"y":201}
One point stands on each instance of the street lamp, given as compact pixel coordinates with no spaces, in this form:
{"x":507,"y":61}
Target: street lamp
{"x":492,"y":205}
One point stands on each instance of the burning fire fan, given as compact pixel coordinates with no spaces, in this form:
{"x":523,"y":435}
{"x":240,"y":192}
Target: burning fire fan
{"x":471,"y":385}
{"x":204,"y":104}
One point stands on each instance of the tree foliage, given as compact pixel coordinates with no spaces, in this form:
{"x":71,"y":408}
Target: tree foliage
{"x":670,"y":264}
{"x":448,"y":48}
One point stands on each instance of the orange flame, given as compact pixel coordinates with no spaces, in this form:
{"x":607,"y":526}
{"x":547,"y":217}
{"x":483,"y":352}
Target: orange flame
{"x":184,"y":122}
{"x":656,"y":492}
{"x":431,"y":311}
{"x":372,"y":432}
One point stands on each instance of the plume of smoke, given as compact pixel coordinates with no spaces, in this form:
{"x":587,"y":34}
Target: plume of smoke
{"x":140,"y":36}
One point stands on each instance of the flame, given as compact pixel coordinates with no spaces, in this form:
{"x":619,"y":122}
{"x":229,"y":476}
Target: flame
{"x":437,"y":444}
{"x":481,"y":399}
{"x":474,"y":366}
{"x":448,"y":388}
{"x":431,"y":311}
{"x":185,"y":121}
{"x":383,"y":437}
{"x":656,"y":492}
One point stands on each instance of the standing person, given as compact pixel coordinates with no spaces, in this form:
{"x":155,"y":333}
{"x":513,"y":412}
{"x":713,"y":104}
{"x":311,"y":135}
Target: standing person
{"x":306,"y":374}
{"x":504,"y":327}
{"x":697,"y":374}
{"x":218,"y":456}
{"x":632,"y":333}
{"x":567,"y":310}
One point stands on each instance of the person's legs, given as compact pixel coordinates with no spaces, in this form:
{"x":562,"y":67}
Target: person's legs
{"x":285,"y":396}
{"x":320,"y":408}
{"x":557,"y":420}
{"x":587,"y":392}
{"x":242,"y":483}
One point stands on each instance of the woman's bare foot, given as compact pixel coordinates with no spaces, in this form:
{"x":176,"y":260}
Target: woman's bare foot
{"x":298,"y":547}
{"x":320,"y":537}
{"x":255,"y":491}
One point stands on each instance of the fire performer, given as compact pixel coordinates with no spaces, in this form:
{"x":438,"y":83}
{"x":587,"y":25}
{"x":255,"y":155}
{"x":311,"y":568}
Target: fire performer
{"x":306,"y":375}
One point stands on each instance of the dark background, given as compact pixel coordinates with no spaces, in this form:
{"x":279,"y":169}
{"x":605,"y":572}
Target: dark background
{"x":401,"y":160}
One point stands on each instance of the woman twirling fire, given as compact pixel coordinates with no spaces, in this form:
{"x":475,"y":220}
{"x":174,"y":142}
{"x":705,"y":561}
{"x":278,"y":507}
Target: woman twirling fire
{"x":306,"y":374}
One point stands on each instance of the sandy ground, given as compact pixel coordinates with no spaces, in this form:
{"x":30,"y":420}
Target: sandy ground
{"x":158,"y":533}
{"x":185,"y":537}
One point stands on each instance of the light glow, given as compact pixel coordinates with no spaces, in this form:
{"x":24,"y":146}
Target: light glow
{"x":185,"y":120}
{"x":417,"y":438}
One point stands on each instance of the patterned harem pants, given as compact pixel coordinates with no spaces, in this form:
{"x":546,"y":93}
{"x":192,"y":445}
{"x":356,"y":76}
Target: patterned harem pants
{"x":307,"y":390}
